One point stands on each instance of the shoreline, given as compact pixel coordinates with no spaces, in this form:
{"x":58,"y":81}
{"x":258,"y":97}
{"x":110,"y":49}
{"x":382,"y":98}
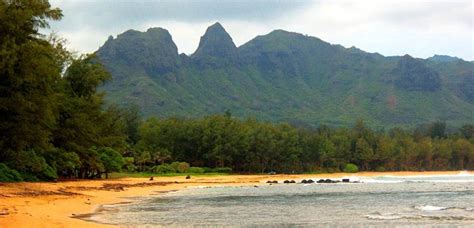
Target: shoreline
{"x":65,"y":204}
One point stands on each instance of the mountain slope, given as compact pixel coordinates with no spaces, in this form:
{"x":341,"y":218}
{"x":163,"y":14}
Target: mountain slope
{"x":285,"y":76}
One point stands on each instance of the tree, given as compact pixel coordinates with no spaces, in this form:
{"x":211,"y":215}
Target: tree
{"x":82,"y":123}
{"x":442,"y":154}
{"x":467,"y":130}
{"x":437,"y":130}
{"x":425,"y":153}
{"x":384,"y":153}
{"x":29,"y":76}
{"x":132,"y":121}
{"x":112,"y":160}
{"x":364,"y":153}
{"x":462,"y":154}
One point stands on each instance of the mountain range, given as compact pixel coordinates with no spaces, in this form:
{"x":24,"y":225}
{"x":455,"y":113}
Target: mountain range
{"x":285,"y":77}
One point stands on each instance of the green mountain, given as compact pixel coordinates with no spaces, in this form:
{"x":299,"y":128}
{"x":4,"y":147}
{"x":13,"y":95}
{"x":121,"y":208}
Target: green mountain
{"x":285,"y":76}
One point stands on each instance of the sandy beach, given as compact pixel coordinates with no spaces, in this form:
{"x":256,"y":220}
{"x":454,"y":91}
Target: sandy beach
{"x":62,"y":204}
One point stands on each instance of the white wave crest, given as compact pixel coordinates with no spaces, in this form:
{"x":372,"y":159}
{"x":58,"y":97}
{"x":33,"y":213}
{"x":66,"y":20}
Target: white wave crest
{"x":430,"y":208}
{"x":384,"y":216}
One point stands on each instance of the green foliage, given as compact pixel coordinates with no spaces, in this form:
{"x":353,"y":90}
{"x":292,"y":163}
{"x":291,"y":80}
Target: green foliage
{"x":9,"y":175}
{"x":112,"y":160}
{"x":195,"y":170}
{"x":64,"y":162}
{"x":438,"y":129}
{"x":129,"y":165}
{"x":467,"y":131}
{"x":164,"y":168}
{"x":336,"y":85}
{"x":180,"y":167}
{"x":413,"y":74}
{"x":51,"y":117}
{"x":257,"y":147}
{"x":351,"y":168}
{"x":29,"y":74}
{"x":32,"y":166}
{"x":222,"y":170}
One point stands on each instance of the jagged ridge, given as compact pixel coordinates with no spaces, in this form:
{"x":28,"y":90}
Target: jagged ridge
{"x":284,"y":76}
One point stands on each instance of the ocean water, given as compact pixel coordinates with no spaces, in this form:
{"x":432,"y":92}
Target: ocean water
{"x":386,"y":201}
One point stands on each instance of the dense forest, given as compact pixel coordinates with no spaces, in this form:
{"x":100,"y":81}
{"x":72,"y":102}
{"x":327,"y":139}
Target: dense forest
{"x":253,"y":147}
{"x":54,"y":124}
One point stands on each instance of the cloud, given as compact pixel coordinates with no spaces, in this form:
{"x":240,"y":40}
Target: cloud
{"x":420,"y":28}
{"x":131,"y":12}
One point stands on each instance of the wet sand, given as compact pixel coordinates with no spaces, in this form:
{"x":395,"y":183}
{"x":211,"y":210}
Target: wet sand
{"x":67,"y":203}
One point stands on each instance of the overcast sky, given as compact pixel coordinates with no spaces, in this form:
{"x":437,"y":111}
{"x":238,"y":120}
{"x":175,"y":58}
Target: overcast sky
{"x":420,"y":28}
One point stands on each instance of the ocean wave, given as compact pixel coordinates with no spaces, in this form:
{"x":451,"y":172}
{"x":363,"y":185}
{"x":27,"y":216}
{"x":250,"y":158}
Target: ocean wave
{"x":380,"y":216}
{"x":438,"y":208}
{"x":448,"y":217}
{"x":461,"y":177}
{"x":431,"y":208}
{"x":396,"y":216}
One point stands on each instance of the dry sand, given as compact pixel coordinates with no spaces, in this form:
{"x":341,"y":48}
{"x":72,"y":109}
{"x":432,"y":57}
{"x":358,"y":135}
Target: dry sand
{"x":59,"y":204}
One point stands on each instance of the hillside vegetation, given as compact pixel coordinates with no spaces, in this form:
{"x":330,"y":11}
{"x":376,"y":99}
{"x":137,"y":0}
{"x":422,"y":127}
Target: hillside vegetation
{"x":285,"y":77}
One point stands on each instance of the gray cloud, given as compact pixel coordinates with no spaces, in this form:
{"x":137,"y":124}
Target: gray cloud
{"x":420,"y":28}
{"x":430,"y":12}
{"x":103,"y":14}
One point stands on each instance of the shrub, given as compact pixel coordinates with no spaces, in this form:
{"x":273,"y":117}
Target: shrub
{"x":9,"y":175}
{"x":63,"y":162}
{"x":195,"y":170}
{"x":222,"y":170}
{"x":32,"y":166}
{"x":208,"y":170}
{"x":351,"y":168}
{"x":380,"y":169}
{"x":128,"y":164}
{"x":180,"y":167}
{"x":165,"y":168}
{"x":112,"y":160}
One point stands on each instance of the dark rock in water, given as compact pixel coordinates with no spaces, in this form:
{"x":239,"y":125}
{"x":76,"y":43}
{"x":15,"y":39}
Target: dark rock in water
{"x":188,"y":177}
{"x":330,"y":181}
{"x":345,"y":180}
{"x":286,"y":182}
{"x":292,"y":181}
{"x":304,"y":181}
{"x":151,"y":178}
{"x":326,"y":181}
{"x":269,"y":182}
{"x":309,"y":181}
{"x":275,"y":182}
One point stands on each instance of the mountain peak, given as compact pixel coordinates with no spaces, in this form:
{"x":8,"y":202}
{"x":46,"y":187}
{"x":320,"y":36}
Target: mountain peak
{"x":216,"y":42}
{"x":216,"y":25}
{"x":443,"y":58}
{"x":153,"y":50}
